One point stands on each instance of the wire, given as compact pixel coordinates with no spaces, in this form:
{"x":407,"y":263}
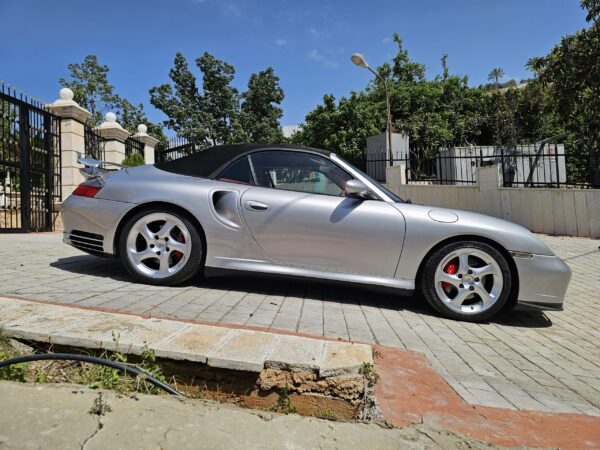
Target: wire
{"x":125,"y":368}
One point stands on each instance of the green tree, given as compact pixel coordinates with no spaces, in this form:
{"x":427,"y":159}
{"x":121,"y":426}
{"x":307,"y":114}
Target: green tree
{"x":92,"y":90}
{"x":89,"y":82}
{"x":260,"y":115}
{"x":434,"y":113}
{"x":183,"y":104}
{"x":343,"y":127}
{"x":218,"y":113}
{"x":221,"y":99}
{"x":572,"y":74}
{"x":495,"y":75}
{"x":205,"y":118}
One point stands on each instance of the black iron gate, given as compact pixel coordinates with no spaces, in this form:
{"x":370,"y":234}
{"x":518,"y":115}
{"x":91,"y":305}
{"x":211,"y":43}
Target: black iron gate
{"x":177,"y":147}
{"x":30,"y":182}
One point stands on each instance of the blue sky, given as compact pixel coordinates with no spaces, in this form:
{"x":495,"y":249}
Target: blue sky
{"x":308,"y":43}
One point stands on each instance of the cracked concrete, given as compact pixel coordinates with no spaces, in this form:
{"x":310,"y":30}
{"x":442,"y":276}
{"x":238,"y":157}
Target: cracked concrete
{"x":58,"y":417}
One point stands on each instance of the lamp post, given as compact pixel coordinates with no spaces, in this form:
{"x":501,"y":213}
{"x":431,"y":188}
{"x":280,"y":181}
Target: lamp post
{"x":360,"y":61}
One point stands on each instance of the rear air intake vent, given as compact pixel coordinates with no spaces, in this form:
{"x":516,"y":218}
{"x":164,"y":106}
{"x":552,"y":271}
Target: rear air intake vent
{"x":87,"y":241}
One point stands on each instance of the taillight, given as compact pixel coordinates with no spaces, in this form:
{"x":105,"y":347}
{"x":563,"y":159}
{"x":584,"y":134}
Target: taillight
{"x":85,"y":190}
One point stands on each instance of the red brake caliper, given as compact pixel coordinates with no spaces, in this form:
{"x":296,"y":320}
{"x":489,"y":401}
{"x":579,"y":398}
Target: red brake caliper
{"x":451,"y":268}
{"x":176,"y":254}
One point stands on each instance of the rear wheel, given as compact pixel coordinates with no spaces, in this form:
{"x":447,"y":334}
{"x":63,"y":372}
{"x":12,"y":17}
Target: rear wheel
{"x":160,"y":246}
{"x":467,"y":280}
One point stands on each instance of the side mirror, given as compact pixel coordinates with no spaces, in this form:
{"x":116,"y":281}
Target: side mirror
{"x":356,"y":189}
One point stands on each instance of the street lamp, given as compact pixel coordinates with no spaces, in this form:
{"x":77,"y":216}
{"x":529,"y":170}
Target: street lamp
{"x":360,"y":61}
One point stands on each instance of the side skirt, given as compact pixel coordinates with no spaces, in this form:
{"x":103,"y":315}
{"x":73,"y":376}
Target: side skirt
{"x":257,"y":268}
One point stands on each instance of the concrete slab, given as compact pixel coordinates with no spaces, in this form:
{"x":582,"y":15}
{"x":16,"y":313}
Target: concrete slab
{"x":194,"y":343}
{"x":11,"y":310}
{"x":129,"y":334}
{"x":46,"y":323}
{"x":296,"y":354}
{"x":216,"y":346}
{"x":63,"y":421}
{"x":341,"y":358}
{"x":243,"y":350}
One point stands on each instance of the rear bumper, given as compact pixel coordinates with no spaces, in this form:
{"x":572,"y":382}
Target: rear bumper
{"x":90,"y":223}
{"x":543,"y":282}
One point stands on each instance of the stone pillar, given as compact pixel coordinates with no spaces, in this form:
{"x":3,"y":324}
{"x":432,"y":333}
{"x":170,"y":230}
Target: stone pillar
{"x":72,"y":141}
{"x":115,"y":136}
{"x":489,"y":177}
{"x":395,"y":176}
{"x":149,"y":143}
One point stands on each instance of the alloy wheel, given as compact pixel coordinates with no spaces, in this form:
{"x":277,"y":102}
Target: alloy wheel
{"x":468,"y":280}
{"x":159,"y":245}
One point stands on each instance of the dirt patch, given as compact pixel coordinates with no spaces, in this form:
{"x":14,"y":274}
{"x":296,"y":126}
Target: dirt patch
{"x":341,"y":397}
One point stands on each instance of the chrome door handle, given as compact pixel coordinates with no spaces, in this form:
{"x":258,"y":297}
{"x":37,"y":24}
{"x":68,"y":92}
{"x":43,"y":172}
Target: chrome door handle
{"x":256,"y":206}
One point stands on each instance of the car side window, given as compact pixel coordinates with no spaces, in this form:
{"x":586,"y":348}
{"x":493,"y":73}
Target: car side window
{"x":299,"y":171}
{"x":238,"y":172}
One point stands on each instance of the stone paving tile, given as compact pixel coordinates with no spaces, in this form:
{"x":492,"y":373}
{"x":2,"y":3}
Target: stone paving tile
{"x":530,"y":360}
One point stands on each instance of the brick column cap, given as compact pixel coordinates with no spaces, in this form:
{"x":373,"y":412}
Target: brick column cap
{"x":111,"y":129}
{"x":67,"y":108}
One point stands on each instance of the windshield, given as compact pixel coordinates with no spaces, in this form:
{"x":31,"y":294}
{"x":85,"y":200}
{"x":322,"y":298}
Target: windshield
{"x":389,"y":193}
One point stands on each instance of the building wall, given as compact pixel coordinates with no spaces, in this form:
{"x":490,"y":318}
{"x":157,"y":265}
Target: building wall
{"x":568,"y":212}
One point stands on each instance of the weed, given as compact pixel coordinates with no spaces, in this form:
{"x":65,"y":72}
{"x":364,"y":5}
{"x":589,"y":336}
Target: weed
{"x":284,"y":403}
{"x":41,"y":378}
{"x":368,"y":371}
{"x":100,"y":407}
{"x":15,"y":372}
{"x":327,"y":413}
{"x":149,"y":365}
{"x":376,"y":354}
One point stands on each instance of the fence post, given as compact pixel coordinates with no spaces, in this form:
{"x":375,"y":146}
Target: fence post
{"x":148,"y":141}
{"x":72,"y":140}
{"x":115,"y":136}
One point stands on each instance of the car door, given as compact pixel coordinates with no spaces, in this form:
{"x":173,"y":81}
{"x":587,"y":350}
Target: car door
{"x":298,"y":214}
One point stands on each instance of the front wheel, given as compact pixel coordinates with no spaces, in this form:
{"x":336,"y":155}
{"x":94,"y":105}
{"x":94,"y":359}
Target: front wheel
{"x":467,"y":280}
{"x":161,"y":247}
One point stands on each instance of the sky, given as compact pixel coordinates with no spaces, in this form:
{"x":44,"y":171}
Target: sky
{"x":308,"y":43}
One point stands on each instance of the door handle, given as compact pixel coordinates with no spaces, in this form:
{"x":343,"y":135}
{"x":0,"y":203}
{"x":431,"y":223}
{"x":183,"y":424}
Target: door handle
{"x":256,"y":206}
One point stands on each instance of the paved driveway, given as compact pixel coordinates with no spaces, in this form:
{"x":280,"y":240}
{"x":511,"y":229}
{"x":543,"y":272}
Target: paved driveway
{"x":528,"y":360}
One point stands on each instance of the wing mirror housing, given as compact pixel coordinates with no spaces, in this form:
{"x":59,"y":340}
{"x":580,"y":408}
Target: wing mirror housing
{"x":357,"y":189}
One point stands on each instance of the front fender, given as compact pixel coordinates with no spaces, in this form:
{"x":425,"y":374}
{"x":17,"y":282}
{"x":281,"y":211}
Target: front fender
{"x":423,"y":233}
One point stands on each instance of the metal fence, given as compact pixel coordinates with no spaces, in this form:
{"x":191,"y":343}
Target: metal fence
{"x":94,"y":143}
{"x":177,"y":147}
{"x":132,"y":145}
{"x":30,"y":170}
{"x":548,"y":165}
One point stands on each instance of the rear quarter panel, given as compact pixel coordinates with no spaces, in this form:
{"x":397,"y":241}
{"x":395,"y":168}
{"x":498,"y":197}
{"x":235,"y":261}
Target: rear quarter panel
{"x":147,"y":185}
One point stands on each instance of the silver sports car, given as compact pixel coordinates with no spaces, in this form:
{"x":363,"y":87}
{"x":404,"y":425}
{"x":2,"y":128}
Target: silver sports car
{"x":306,"y":212}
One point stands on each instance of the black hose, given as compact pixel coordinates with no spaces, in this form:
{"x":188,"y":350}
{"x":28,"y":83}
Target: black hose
{"x":125,"y":368}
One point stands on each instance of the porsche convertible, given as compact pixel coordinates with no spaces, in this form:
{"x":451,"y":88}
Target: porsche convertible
{"x":305,"y":212}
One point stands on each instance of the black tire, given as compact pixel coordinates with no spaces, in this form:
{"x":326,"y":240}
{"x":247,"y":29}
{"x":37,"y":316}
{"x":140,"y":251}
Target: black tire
{"x":428,"y":288}
{"x":193,"y":264}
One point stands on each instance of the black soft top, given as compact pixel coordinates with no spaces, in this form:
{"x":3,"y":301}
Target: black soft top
{"x":206,"y":162}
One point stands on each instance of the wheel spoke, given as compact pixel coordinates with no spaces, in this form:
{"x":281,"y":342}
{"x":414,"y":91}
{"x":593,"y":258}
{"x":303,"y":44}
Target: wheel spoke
{"x":164,"y":262}
{"x":463,"y":262}
{"x":178,"y":246}
{"x":446,"y":277}
{"x":142,"y":255}
{"x":460,"y":297}
{"x":483,"y":271}
{"x":143,"y":229}
{"x":484,"y":295}
{"x":166,"y":229}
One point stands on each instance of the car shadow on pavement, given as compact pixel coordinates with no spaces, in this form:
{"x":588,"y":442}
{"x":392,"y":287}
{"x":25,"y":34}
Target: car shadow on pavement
{"x":313,"y":289}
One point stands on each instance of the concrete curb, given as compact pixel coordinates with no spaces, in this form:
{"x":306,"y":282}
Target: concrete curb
{"x":221,"y":347}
